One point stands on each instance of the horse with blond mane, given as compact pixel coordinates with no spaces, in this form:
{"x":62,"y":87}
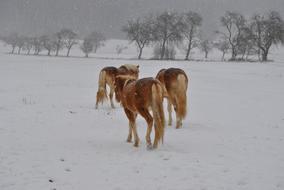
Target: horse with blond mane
{"x":139,"y":97}
{"x":107,"y":77}
{"x":175,"y":83}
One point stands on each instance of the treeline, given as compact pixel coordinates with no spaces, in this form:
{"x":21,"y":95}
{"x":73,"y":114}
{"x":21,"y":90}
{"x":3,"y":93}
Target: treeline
{"x":239,"y":36}
{"x":54,"y":43}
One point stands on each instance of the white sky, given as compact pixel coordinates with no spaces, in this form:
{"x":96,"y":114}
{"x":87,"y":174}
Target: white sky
{"x":84,"y":16}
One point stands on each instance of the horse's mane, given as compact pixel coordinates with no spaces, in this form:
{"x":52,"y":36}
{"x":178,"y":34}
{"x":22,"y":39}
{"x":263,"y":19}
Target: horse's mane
{"x":126,"y":78}
{"x":130,"y":67}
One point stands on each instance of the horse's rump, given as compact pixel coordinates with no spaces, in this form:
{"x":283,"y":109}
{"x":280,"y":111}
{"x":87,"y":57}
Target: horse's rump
{"x":160,"y":77}
{"x":176,"y":82}
{"x":140,"y":96}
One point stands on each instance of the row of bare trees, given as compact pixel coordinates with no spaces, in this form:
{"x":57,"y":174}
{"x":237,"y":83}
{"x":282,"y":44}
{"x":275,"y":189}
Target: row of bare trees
{"x":238,"y":35}
{"x":64,"y":39}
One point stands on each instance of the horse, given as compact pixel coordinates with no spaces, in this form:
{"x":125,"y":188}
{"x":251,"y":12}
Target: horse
{"x":107,"y":77}
{"x":175,"y":84}
{"x":140,"y":97}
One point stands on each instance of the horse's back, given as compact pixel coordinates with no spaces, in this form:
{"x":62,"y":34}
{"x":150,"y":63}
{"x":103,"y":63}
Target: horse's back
{"x":110,"y":70}
{"x":139,"y":92}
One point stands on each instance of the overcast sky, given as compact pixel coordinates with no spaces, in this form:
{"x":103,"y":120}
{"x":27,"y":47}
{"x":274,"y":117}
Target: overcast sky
{"x":83,"y":16}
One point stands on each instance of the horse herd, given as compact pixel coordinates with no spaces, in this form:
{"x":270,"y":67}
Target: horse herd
{"x":143,"y":96}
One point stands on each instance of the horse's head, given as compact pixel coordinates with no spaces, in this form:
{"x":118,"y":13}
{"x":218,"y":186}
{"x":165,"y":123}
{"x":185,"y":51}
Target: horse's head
{"x":130,"y":69}
{"x":120,"y":82}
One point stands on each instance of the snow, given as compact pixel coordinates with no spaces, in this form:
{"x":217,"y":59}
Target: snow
{"x":51,"y":137}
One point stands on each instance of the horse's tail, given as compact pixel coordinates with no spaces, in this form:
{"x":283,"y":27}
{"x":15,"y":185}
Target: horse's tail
{"x":180,"y":95}
{"x":158,"y":112}
{"x":101,"y":94}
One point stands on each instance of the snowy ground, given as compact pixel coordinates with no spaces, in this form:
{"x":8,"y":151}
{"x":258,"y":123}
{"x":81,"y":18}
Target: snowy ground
{"x":51,"y":137}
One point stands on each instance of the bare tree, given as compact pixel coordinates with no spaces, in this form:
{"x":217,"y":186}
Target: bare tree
{"x":234,"y":24}
{"x":48,"y":43}
{"x":37,"y":45}
{"x":192,"y":21}
{"x":58,"y":41}
{"x":20,"y":43}
{"x":223,"y":46}
{"x":87,"y":46}
{"x":247,"y":45}
{"x":267,"y":30}
{"x":69,"y":39}
{"x":206,"y":46}
{"x":168,"y":29}
{"x":170,"y":51}
{"x":139,"y":32}
{"x":98,"y":40}
{"x":12,"y":40}
{"x":28,"y":45}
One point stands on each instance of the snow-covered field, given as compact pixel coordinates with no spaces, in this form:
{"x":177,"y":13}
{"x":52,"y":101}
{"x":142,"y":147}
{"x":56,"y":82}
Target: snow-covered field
{"x":51,"y":137}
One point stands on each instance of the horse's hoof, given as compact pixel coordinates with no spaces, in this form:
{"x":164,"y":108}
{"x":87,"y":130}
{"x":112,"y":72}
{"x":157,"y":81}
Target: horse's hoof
{"x":129,"y":141}
{"x":136,"y":145}
{"x":149,"y":147}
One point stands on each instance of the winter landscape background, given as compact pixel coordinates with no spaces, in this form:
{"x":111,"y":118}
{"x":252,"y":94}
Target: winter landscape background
{"x":52,"y":137}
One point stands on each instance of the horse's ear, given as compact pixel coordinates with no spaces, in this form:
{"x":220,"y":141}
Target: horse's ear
{"x":137,"y":66}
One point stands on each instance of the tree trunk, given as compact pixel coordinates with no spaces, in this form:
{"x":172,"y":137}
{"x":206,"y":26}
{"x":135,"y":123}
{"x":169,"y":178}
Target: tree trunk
{"x":57,"y":51}
{"x":19,"y":50}
{"x":247,"y":56}
{"x":233,"y":58}
{"x":259,"y":54}
{"x":243,"y":55}
{"x":163,"y":49}
{"x":13,"y":49}
{"x":206,"y":54}
{"x":264,"y":55}
{"x":223,"y":56}
{"x":188,"y":51}
{"x":140,"y":53}
{"x":86,"y":55}
{"x":69,"y":48}
{"x":48,"y":52}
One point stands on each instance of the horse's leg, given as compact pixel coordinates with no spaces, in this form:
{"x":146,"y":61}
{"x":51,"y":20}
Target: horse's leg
{"x":170,"y":112}
{"x":97,"y":104}
{"x":111,"y":96}
{"x":129,"y":138}
{"x":132,"y":127}
{"x":178,"y":118}
{"x":147,"y":116}
{"x":178,"y":122}
{"x":136,"y":138}
{"x":97,"y":100}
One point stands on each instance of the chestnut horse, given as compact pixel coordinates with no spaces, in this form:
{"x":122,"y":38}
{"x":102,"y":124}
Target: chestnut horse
{"x":174,"y":82}
{"x":107,"y":77}
{"x":139,"y":97}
